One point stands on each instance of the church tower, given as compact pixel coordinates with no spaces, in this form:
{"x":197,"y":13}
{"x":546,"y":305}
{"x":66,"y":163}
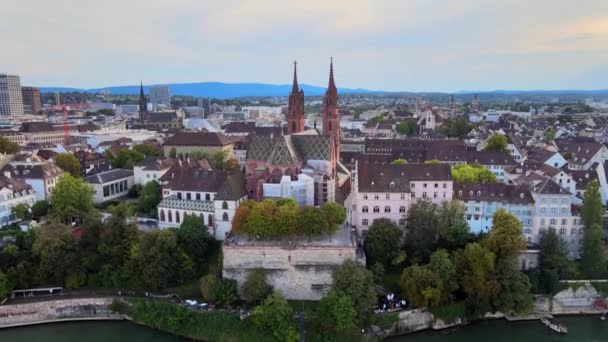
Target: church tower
{"x":143,"y":104}
{"x":295,"y":109}
{"x":330,"y":112}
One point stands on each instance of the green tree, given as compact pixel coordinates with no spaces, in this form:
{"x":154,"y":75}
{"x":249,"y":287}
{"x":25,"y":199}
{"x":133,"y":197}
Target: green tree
{"x":149,"y":198}
{"x":5,"y":288}
{"x":255,"y":288}
{"x":514,"y":295}
{"x":421,"y":286}
{"x":193,"y":238}
{"x":21,"y":211}
{"x":218,"y":291}
{"x":506,"y":238}
{"x":40,"y":209}
{"x":147,"y":150}
{"x":382,"y":242}
{"x":476,"y":266}
{"x":472,"y":173}
{"x":68,"y":163}
{"x":337,"y":312}
{"x":453,"y":226}
{"x":550,"y":134}
{"x":173,"y":153}
{"x":312,"y":222}
{"x":275,"y":315}
{"x":421,"y":230}
{"x":71,"y":198}
{"x":157,"y":259}
{"x":126,"y":159}
{"x":335,"y":215}
{"x":399,"y":161}
{"x":553,"y":262}
{"x":458,"y":128}
{"x":406,"y":127}
{"x":7,"y":146}
{"x":441,"y":265}
{"x":497,"y":142}
{"x":593,"y":261}
{"x":353,"y":280}
{"x":56,"y":251}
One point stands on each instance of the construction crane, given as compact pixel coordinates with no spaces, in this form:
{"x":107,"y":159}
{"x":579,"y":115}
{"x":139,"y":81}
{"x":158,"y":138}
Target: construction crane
{"x":66,"y":129}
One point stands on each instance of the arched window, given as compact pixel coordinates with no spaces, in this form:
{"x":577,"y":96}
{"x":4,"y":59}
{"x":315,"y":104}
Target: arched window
{"x":387,"y":209}
{"x":176,"y":216}
{"x":225,"y":205}
{"x":210,"y":220}
{"x":365,"y":209}
{"x":170,"y":215}
{"x":376,"y":209}
{"x":225,"y":217}
{"x":162,"y":215}
{"x":293,"y":126}
{"x":329,"y":125}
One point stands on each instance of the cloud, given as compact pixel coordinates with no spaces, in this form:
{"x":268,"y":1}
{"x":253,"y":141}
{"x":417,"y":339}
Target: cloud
{"x":381,"y":44}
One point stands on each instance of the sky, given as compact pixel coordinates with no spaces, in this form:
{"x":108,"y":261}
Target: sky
{"x":392,"y":45}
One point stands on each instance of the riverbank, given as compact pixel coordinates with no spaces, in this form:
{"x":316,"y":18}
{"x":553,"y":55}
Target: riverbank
{"x":55,"y":311}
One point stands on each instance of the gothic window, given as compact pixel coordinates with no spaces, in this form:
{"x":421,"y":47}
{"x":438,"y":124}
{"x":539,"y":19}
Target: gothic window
{"x":177,"y":216}
{"x":329,"y":125}
{"x":162,"y":215}
{"x":170,"y":215}
{"x":225,"y":205}
{"x":225,"y":217}
{"x":293,"y":126}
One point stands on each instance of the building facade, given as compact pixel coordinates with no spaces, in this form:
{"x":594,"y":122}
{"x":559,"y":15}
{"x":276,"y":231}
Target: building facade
{"x":12,"y":193}
{"x":31,"y":100}
{"x":160,"y":97}
{"x":111,"y":184}
{"x":11,"y":99}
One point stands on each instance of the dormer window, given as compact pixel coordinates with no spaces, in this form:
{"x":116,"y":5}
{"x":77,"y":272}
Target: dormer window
{"x":392,"y":185}
{"x":478,"y":193}
{"x":372,"y":184}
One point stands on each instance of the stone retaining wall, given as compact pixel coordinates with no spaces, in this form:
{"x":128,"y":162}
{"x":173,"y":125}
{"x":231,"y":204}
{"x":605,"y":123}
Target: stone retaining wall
{"x":61,"y":309}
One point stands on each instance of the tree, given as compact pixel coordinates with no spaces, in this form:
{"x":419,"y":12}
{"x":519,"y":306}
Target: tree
{"x":40,"y":209}
{"x":312,"y":222}
{"x":406,"y":127}
{"x":193,"y":238}
{"x":473,"y":173}
{"x":550,"y":134}
{"x":156,"y":258}
{"x":421,"y":286}
{"x":553,"y":262}
{"x":5,"y":288}
{"x":453,"y":226}
{"x":71,"y":198}
{"x":514,"y":295}
{"x":399,"y":161}
{"x":275,"y":315}
{"x":505,"y":239}
{"x":458,"y":128}
{"x":497,"y":142}
{"x":68,"y":163}
{"x":21,"y":211}
{"x":8,"y":147}
{"x":147,"y":150}
{"x":335,"y":215}
{"x":56,"y":251}
{"x":126,"y":159}
{"x":149,"y":198}
{"x":255,"y":288}
{"x":218,"y":291}
{"x":382,"y":243}
{"x":421,"y":230}
{"x":353,"y":280}
{"x":475,"y":265}
{"x":337,"y":312}
{"x":173,"y":153}
{"x":593,"y":261}
{"x":441,"y":265}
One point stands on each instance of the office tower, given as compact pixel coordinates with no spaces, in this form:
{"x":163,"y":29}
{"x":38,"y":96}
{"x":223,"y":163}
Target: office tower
{"x":11,"y":101}
{"x":160,"y":98}
{"x":31,"y":100}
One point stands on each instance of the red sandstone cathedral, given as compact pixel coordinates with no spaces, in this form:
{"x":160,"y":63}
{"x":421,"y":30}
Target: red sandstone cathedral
{"x":303,"y":151}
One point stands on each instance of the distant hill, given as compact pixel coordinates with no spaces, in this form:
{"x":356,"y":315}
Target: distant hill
{"x":215,"y":89}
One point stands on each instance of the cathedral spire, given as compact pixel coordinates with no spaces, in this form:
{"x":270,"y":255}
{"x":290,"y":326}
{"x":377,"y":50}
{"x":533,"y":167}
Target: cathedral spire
{"x":332,"y":83}
{"x":143,"y":104}
{"x":295,"y":87}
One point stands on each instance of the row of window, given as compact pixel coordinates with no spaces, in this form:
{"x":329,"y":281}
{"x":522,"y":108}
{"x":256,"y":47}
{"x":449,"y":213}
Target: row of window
{"x":115,"y":188}
{"x":553,"y":210}
{"x":365,"y":222}
{"x":386,"y":196}
{"x":387,"y":209}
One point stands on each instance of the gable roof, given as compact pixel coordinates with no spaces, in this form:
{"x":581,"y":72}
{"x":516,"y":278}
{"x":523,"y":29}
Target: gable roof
{"x":493,"y":193}
{"x":396,"y":178}
{"x":183,"y":138}
{"x":290,"y":149}
{"x":109,"y":176}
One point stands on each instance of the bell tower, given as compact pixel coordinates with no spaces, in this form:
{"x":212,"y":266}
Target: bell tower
{"x":330,"y":112}
{"x":295,"y":109}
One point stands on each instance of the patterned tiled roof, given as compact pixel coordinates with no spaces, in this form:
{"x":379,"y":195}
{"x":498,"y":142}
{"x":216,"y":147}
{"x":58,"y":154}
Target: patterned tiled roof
{"x":172,"y":202}
{"x":289,"y":149}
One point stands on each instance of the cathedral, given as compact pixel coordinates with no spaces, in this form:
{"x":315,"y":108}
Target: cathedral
{"x":305,"y":162}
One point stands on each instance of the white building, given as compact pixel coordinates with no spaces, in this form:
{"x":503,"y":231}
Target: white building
{"x":41,"y":176}
{"x":111,"y":184}
{"x":302,"y":190}
{"x":12,"y":193}
{"x":160,"y":97}
{"x":11,"y":98}
{"x":151,"y":169}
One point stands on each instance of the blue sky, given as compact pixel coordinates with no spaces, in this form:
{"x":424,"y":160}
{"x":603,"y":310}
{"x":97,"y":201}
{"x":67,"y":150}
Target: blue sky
{"x":407,"y":45}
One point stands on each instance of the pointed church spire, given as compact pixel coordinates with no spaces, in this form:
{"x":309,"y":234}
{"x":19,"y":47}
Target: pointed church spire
{"x":295,"y":87}
{"x":332,"y":83}
{"x":143,"y":104}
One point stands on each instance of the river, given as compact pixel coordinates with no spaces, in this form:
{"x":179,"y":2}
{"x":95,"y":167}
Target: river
{"x":581,"y":329}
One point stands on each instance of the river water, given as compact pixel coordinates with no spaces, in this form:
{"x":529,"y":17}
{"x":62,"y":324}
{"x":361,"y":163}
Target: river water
{"x":581,"y":329}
